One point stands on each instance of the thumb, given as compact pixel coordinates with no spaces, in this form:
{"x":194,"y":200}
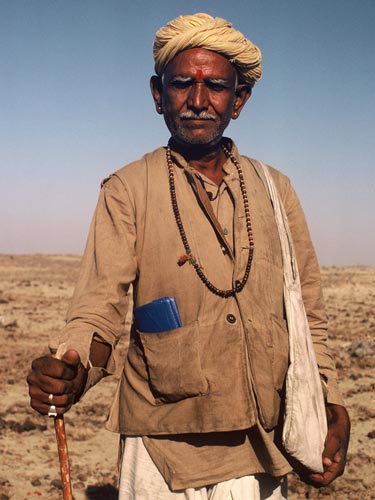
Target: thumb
{"x":71,"y":358}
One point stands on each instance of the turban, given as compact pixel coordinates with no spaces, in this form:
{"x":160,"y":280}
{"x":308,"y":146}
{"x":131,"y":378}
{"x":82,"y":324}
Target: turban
{"x":206,"y":32}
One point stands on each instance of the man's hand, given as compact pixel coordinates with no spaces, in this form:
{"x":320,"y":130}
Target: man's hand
{"x":65,"y":379}
{"x":336,"y":445}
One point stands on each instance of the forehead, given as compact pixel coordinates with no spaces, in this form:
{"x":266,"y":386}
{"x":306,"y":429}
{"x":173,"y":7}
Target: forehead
{"x":200,"y":63}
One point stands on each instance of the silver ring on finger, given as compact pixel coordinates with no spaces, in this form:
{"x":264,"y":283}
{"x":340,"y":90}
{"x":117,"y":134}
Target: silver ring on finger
{"x":52,"y":411}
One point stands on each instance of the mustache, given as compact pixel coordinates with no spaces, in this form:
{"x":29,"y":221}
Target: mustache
{"x":203,"y":115}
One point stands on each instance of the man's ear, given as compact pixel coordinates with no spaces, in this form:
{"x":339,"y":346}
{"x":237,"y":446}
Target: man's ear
{"x":156,"y":87}
{"x":243,"y":93}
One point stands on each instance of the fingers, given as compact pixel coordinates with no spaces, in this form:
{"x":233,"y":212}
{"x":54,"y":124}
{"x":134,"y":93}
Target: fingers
{"x":59,"y":380}
{"x":41,"y":401}
{"x":60,"y":369}
{"x":327,"y":462}
{"x":333,"y":468}
{"x":334,"y":454}
{"x":49,"y":385}
{"x":336,"y":458}
{"x":44,"y":393}
{"x":49,"y":399}
{"x":332,"y":472}
{"x":44,"y":409}
{"x":49,"y":367}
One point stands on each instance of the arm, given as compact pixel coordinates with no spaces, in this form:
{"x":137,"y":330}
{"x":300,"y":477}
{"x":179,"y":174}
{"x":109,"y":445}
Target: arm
{"x":97,"y":310}
{"x":101,"y":298}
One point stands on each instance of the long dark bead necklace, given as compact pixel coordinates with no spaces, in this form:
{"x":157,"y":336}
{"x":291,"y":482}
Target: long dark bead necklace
{"x":189,"y":256}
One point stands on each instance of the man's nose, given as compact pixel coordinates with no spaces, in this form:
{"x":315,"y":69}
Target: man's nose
{"x":198,"y":97}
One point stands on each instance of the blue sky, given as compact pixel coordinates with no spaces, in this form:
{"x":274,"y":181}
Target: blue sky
{"x":75,"y":106}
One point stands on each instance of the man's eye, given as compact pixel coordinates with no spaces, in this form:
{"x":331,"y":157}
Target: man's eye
{"x":180,"y":85}
{"x":217,"y":87}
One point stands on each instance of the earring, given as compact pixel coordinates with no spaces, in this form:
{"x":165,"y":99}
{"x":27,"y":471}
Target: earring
{"x":235,"y":114}
{"x":158,"y":108}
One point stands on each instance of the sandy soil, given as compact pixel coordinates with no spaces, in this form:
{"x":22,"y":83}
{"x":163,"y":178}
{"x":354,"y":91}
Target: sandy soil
{"x":34,"y":293}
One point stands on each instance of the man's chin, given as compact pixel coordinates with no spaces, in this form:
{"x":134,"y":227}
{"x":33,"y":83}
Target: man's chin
{"x":197,"y":139}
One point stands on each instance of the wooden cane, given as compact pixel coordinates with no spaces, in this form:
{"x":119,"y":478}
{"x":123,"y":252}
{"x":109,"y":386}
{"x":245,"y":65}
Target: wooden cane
{"x":62,"y":444}
{"x":62,"y":448}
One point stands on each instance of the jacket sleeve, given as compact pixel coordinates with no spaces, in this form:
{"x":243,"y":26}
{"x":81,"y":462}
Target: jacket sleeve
{"x":102,"y":296}
{"x":309,"y":271}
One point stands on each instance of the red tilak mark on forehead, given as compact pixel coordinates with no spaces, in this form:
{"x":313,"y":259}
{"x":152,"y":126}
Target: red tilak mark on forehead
{"x":199,"y":74}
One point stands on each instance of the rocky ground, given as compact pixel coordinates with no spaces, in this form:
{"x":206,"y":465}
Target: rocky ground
{"x":34,"y":293}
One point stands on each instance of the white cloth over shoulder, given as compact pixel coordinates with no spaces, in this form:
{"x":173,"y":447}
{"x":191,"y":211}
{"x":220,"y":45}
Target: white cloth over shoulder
{"x":141,"y":480}
{"x":305,"y":422}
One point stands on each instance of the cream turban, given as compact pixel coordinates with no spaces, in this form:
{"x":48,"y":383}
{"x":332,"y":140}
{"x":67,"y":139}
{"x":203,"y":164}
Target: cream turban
{"x":216,"y":34}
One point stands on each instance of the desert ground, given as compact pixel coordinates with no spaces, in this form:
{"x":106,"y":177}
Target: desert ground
{"x":34,"y":294}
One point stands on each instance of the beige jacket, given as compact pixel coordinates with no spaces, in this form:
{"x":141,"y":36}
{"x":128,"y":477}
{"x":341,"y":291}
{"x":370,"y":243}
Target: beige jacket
{"x":224,"y":369}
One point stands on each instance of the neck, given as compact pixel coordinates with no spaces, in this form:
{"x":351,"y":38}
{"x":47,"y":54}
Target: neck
{"x":207,"y":159}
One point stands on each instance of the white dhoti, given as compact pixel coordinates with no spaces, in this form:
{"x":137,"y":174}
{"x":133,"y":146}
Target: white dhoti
{"x":141,"y":480}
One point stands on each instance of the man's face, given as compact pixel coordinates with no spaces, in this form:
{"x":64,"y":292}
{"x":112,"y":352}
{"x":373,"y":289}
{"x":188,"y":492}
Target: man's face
{"x":198,"y":96}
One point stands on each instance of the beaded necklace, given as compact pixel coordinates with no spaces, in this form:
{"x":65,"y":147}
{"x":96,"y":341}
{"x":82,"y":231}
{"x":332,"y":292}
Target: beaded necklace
{"x":239,"y":284}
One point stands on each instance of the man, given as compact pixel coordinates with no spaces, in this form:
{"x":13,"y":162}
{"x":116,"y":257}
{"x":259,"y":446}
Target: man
{"x":198,"y":406}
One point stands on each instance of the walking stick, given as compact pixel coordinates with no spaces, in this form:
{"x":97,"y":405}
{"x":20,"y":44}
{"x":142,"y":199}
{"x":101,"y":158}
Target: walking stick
{"x":62,"y":448}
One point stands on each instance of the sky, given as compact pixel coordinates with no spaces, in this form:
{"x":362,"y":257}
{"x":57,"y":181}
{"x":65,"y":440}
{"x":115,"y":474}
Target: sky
{"x":75,"y":106}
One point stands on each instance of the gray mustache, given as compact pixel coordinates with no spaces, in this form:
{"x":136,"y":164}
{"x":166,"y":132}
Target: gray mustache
{"x":203,"y":115}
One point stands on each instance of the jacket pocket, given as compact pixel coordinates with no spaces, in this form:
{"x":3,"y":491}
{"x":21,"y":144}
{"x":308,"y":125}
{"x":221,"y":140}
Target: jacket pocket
{"x":173,"y":364}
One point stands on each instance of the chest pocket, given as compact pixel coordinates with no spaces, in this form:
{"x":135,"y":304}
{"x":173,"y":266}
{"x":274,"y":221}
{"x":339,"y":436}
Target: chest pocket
{"x":173,"y":364}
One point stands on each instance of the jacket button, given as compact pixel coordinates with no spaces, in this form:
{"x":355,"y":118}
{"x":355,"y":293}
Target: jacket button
{"x":231,"y":318}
